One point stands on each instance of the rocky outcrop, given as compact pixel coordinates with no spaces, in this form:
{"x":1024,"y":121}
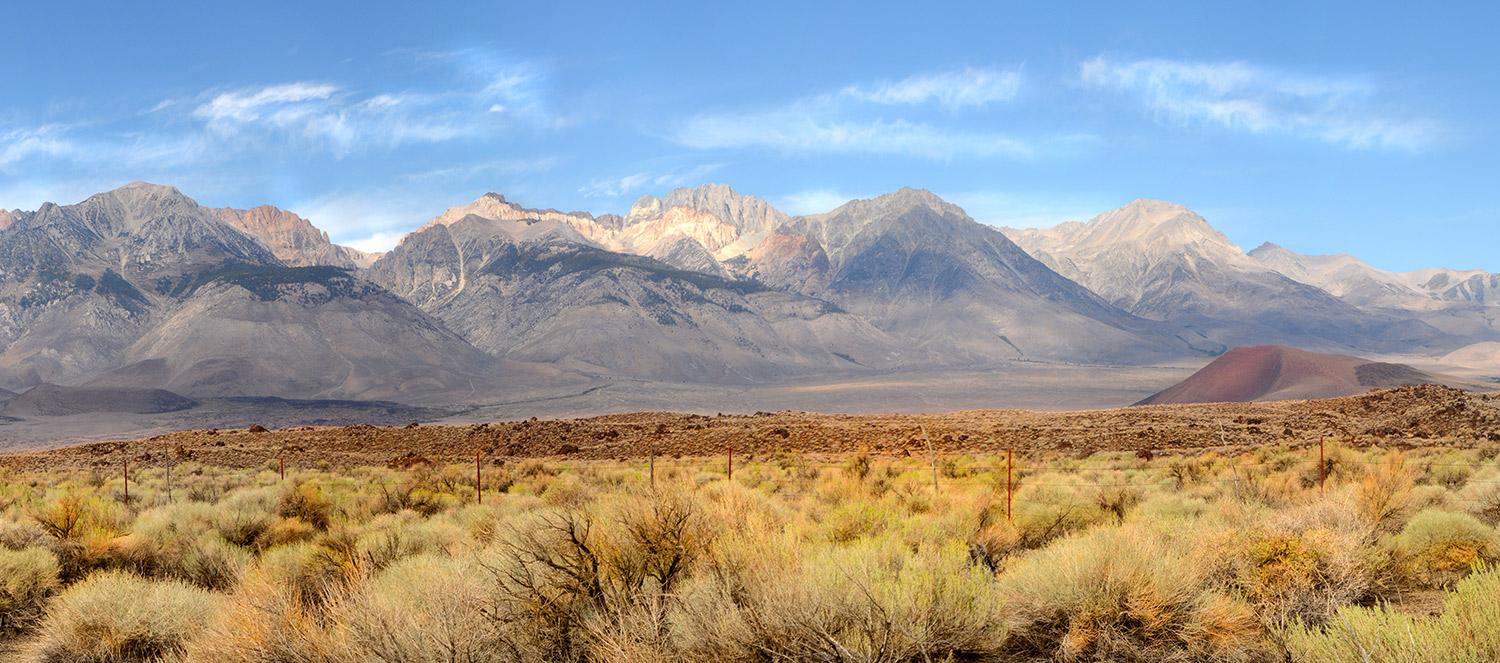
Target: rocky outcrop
{"x":293,"y":239}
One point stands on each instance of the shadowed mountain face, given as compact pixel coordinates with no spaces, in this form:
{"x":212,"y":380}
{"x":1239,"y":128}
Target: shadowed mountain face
{"x":301,"y":332}
{"x":79,"y":283}
{"x":1271,"y":372}
{"x":1161,"y":261}
{"x":538,"y":290}
{"x":50,"y":400}
{"x":141,"y":287}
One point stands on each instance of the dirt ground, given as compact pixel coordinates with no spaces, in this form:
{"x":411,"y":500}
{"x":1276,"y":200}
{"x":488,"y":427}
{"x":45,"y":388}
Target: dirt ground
{"x":1405,"y":417}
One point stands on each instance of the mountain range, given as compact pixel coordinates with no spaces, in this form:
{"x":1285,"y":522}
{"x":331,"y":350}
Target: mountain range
{"x":142,"y":287}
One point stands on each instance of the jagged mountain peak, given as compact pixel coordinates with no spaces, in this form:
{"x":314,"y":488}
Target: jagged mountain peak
{"x":498,"y":208}
{"x":293,"y":239}
{"x":900,"y":200}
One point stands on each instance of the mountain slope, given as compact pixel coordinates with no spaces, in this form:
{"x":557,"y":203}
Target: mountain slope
{"x":920,"y":269}
{"x":538,"y":289}
{"x":1161,"y":261}
{"x":1270,"y":372}
{"x":79,"y":283}
{"x":293,"y":239}
{"x":141,"y":287}
{"x":316,"y":332}
{"x":1361,"y":284}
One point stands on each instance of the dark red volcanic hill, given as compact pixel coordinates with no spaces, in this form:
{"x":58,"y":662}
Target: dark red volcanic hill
{"x":1274,"y":372}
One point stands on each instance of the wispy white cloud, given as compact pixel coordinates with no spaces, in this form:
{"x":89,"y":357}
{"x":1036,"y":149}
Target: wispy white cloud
{"x":470,"y":171}
{"x":812,"y":201}
{"x":20,"y":144}
{"x":1026,"y":210}
{"x":802,"y":130}
{"x":970,"y":87}
{"x":848,"y":121}
{"x":234,"y":108}
{"x":614,"y":187}
{"x":321,"y":115}
{"x":1244,"y":97}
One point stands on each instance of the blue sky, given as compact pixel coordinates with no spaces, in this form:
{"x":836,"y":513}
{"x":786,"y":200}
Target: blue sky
{"x":1326,"y":127}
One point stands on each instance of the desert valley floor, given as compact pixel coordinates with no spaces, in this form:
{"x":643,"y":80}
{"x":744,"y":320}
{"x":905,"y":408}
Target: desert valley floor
{"x":1404,"y":418}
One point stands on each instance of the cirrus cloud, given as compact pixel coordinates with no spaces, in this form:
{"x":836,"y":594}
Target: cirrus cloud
{"x":1244,"y":97}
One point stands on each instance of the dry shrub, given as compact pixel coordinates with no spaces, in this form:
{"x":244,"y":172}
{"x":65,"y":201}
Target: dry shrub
{"x":305,"y":501}
{"x":27,"y":579}
{"x":1116,"y":500}
{"x":1467,"y":630}
{"x":873,"y":601}
{"x":179,"y":542}
{"x":858,"y":466}
{"x":265,"y":619}
{"x":1302,"y":575}
{"x":244,"y":515}
{"x":423,"y":489}
{"x":392,"y":537}
{"x":1187,"y":470}
{"x":425,"y":608}
{"x":1384,"y":495}
{"x":548,"y":575}
{"x":309,"y":572}
{"x":1438,"y":548}
{"x":1041,"y":515}
{"x":1450,"y":470}
{"x":1123,"y":595}
{"x":285,"y":531}
{"x":80,"y":530}
{"x":114,"y":617}
{"x":854,"y":520}
{"x":1482,"y":499}
{"x":21,"y":535}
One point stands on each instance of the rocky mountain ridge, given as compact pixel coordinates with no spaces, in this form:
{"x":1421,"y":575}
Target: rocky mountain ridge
{"x":293,"y":239}
{"x":142,"y":286}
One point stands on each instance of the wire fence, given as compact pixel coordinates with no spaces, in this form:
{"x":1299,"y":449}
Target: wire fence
{"x":1161,"y":470}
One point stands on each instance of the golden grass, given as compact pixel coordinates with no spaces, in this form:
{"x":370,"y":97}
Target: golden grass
{"x":1102,"y":557}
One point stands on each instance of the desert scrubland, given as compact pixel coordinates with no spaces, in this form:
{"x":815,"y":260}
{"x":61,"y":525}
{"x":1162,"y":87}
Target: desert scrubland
{"x":1362,"y":547}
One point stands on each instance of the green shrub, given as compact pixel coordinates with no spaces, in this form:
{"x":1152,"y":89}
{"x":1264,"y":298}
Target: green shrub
{"x":1437,"y":548}
{"x":1467,"y":630}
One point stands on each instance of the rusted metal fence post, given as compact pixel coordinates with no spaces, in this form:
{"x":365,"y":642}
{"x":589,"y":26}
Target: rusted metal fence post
{"x":932,"y":458}
{"x":731,"y":463}
{"x":1009,"y":485}
{"x":1322,"y":464}
{"x":281,"y":466}
{"x":127,"y":481}
{"x":478,"y":479}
